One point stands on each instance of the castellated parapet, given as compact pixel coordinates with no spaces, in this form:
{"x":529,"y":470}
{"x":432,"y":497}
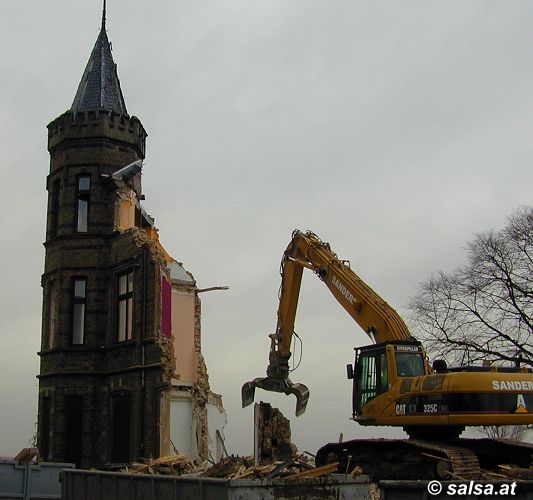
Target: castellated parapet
{"x":71,"y":127}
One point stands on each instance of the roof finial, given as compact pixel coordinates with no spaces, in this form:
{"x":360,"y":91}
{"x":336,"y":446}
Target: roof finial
{"x":103,"y":15}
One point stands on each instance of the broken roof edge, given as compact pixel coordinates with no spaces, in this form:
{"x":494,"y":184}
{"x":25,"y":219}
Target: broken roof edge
{"x":127,"y":172}
{"x":174,"y":270}
{"x":179,"y":275}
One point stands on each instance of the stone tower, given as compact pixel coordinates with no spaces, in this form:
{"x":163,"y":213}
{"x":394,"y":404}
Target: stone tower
{"x":122,"y":374}
{"x":101,"y":369}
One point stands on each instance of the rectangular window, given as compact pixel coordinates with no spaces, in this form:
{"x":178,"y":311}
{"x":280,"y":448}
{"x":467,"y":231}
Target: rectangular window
{"x":372,"y":376}
{"x":54,"y":214}
{"x":125,"y":306}
{"x":44,"y":438}
{"x":52,"y":308}
{"x":121,"y":429}
{"x":409,"y":364}
{"x":368,"y":380}
{"x":73,"y":429}
{"x":78,"y":310}
{"x":83,"y":196}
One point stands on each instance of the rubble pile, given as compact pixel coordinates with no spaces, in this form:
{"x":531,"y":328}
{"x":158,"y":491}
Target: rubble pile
{"x":232,"y":467}
{"x":172,"y":465}
{"x":243,"y":468}
{"x":275,"y":456}
{"x":515,"y":472}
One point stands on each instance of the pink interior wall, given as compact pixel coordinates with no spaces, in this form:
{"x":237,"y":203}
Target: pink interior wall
{"x":183,"y":333}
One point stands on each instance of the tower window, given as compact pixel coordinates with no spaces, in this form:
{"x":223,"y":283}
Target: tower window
{"x":121,"y":428}
{"x":73,"y":429}
{"x":52,"y":308}
{"x":54,"y":214}
{"x":125,"y":306}
{"x":44,"y":420}
{"x":83,"y":196}
{"x":78,"y":310}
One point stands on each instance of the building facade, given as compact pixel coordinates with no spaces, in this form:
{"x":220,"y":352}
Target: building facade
{"x":122,"y":375}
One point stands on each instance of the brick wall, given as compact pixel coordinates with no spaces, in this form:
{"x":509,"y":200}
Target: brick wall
{"x":101,"y":368}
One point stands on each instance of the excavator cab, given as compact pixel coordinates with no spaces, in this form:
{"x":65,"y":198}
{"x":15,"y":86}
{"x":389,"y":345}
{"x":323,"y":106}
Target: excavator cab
{"x":380,"y":365}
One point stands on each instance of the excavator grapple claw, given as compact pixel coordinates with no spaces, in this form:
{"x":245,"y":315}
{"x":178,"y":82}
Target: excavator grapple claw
{"x":276,"y":385}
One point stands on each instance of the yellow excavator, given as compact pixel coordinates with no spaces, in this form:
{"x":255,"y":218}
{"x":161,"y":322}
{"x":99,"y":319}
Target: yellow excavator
{"x":393,"y":381}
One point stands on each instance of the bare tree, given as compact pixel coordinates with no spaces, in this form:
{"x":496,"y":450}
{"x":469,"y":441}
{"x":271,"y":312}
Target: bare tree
{"x":517,"y":432}
{"x":483,"y":310}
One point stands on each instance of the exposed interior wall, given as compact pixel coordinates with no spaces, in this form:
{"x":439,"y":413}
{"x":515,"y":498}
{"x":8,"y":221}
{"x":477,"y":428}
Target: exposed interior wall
{"x":217,"y":420}
{"x":195,"y":427}
{"x":190,"y":414}
{"x":183,"y":302}
{"x":183,"y":423}
{"x":165,"y":445}
{"x":126,"y":207}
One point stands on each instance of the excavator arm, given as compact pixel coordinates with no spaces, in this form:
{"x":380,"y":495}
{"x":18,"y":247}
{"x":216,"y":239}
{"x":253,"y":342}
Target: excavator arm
{"x":380,"y":321}
{"x":393,"y":383}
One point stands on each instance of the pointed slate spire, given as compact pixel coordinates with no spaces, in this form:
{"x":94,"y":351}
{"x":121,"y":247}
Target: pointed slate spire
{"x":99,"y":87}
{"x":103,"y":16}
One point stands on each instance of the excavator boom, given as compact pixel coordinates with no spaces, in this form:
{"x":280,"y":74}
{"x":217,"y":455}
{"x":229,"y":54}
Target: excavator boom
{"x":307,"y":251}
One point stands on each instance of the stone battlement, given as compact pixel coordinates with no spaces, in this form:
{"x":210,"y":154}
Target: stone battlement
{"x":78,"y":126}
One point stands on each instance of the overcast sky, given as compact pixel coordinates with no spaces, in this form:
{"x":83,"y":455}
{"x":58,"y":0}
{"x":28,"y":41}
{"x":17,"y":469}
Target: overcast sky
{"x":392,"y":129}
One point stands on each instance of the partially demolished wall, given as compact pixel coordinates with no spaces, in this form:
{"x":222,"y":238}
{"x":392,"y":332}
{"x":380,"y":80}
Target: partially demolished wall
{"x":192,"y":404}
{"x":273,"y":435}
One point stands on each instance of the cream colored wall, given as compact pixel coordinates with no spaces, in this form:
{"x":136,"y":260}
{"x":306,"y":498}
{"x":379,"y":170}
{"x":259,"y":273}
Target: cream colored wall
{"x":165,"y":446}
{"x":126,"y":217}
{"x":183,"y":333}
{"x":184,"y":423}
{"x":216,"y":421}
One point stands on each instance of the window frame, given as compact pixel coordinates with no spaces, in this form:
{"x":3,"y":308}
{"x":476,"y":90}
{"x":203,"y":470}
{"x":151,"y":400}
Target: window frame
{"x":121,"y":420}
{"x":410,"y":358}
{"x":78,"y":301}
{"x":82,"y":195}
{"x":371,"y":376}
{"x":53,"y":296}
{"x":124,"y":323}
{"x":44,"y":431}
{"x":54,"y":207}
{"x":73,"y":428}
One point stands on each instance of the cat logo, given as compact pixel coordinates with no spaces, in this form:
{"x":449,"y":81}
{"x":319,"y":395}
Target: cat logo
{"x":401,"y":409}
{"x":521,"y":405}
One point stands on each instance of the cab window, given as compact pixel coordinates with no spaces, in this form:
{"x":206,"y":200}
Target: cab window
{"x":367,"y":384}
{"x":372,"y":377}
{"x":409,"y":364}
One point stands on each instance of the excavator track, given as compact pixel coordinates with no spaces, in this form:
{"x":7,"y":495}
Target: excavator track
{"x":459,"y":463}
{"x":492,"y":453}
{"x":422,"y":459}
{"x":465,"y":459}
